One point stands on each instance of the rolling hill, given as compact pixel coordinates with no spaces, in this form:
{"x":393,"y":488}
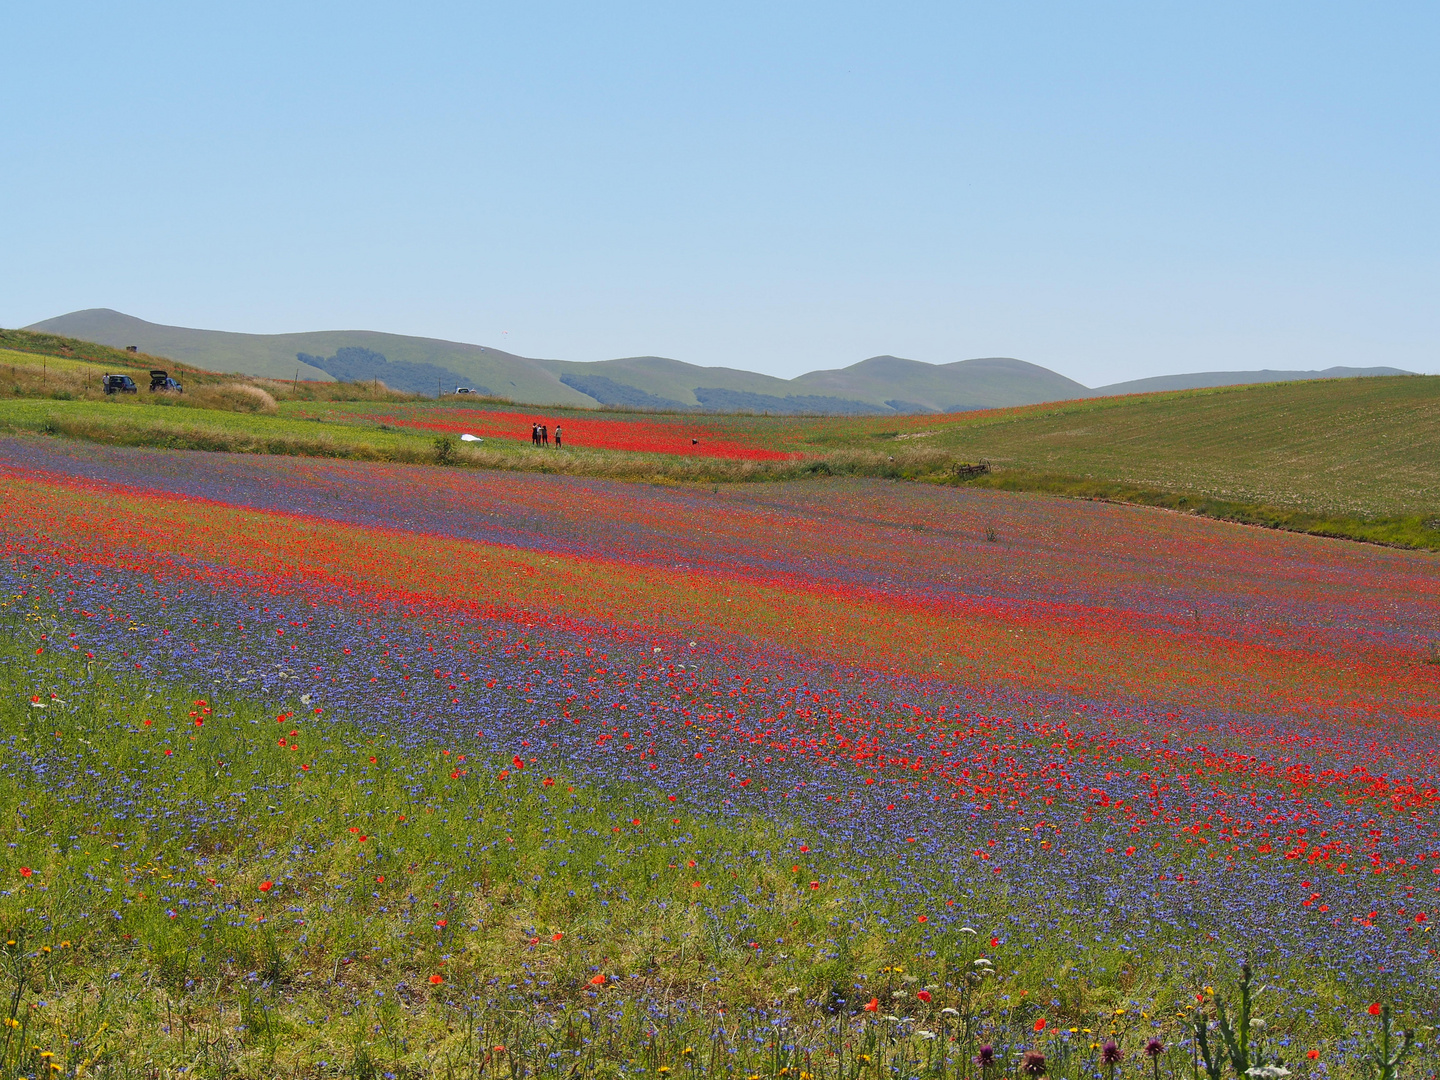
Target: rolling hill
{"x":1205,"y":380}
{"x":275,"y":356}
{"x":1363,"y":447}
{"x":881,"y":385}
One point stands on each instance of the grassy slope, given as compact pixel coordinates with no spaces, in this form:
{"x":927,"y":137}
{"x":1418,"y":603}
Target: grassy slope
{"x":1353,"y":446}
{"x":19,"y":347}
{"x":43,"y":362}
{"x":1351,"y":457}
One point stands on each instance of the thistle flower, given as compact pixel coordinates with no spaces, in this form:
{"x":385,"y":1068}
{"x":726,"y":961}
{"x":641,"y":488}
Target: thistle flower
{"x":1033,"y":1063}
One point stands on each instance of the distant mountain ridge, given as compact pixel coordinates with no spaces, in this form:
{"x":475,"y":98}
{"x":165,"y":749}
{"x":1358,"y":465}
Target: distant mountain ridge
{"x":878,"y":385}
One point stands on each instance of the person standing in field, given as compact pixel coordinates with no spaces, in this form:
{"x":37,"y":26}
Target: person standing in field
{"x":534,"y":433}
{"x":557,"y":436}
{"x":544,"y":435}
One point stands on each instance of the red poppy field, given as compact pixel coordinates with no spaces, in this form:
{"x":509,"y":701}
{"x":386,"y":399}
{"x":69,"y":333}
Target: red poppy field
{"x":678,"y":435}
{"x":833,"y":777}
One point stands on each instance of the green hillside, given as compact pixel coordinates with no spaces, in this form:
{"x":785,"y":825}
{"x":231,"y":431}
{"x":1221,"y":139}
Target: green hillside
{"x":1369,"y":447}
{"x":274,"y":355}
{"x":1205,"y":379}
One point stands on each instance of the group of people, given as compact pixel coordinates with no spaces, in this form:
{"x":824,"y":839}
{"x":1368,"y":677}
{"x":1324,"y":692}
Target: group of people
{"x":540,"y":435}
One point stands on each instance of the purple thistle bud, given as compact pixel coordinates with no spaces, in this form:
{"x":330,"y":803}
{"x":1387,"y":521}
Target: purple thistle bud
{"x":1154,"y":1048}
{"x":986,"y":1057}
{"x":1110,"y":1052}
{"x":1033,"y":1063}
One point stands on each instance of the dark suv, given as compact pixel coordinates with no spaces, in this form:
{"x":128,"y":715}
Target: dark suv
{"x":119,"y":384}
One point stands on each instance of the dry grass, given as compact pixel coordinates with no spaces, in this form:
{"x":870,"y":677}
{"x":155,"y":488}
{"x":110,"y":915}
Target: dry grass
{"x":230,"y":397}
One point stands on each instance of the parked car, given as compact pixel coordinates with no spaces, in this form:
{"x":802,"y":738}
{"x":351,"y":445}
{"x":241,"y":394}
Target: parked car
{"x":463,"y":390}
{"x":160,"y":380}
{"x":119,"y":384}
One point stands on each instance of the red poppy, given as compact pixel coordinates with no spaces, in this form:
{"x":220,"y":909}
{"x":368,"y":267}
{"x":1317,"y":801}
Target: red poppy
{"x":923,"y":995}
{"x":873,"y":1005}
{"x":1040,"y":1024}
{"x":598,"y":980}
{"x":1312,"y":1054}
{"x":436,"y":980}
{"x":266,"y":886}
{"x":1374,"y":1009}
{"x":25,"y":871}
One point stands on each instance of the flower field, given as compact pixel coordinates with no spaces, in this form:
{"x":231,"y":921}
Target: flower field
{"x":646,"y":434}
{"x":325,"y":767}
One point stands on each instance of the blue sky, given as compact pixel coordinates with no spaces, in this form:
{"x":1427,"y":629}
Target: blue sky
{"x":1111,"y":190}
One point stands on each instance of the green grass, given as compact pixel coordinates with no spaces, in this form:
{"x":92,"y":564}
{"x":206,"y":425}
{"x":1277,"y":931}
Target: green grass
{"x":38,"y":344}
{"x":1361,"y":448}
{"x":32,"y":362}
{"x":135,"y":421}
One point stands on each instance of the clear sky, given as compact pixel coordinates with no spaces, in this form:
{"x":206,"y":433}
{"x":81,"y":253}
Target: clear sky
{"x":1110,"y":190}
